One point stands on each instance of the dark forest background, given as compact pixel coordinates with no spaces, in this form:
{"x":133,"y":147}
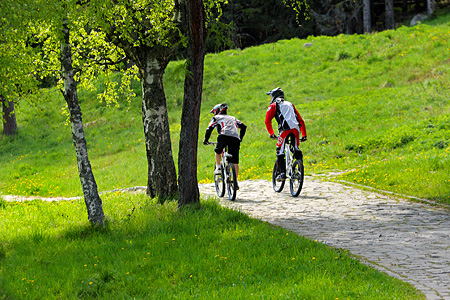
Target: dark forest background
{"x":254,"y":22}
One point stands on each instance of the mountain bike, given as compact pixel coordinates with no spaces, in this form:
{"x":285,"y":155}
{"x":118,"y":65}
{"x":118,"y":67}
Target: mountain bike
{"x":294,"y":169}
{"x":227,"y":177}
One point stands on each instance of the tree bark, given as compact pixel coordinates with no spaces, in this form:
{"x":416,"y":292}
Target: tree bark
{"x":162,"y":178}
{"x":88,"y":184}
{"x":430,"y":6}
{"x":194,"y":27}
{"x":366,"y":16}
{"x":9,"y":117}
{"x":390,"y":22}
{"x":152,"y":60}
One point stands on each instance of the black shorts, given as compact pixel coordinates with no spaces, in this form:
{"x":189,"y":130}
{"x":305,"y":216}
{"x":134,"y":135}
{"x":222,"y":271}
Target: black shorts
{"x":233,"y":147}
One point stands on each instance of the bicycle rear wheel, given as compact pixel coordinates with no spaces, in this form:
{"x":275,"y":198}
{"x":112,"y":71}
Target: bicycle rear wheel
{"x":231,"y":182}
{"x":220,"y":184}
{"x":277,"y":185}
{"x":297,"y":177}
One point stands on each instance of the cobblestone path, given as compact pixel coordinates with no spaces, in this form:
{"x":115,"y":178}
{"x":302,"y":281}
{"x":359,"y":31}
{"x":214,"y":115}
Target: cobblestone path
{"x":407,"y":240}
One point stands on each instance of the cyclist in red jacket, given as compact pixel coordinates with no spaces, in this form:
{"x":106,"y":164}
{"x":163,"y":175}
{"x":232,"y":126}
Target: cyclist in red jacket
{"x":229,"y":135}
{"x":289,"y":121}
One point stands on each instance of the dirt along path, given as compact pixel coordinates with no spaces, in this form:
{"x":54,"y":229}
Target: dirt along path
{"x":407,"y":240}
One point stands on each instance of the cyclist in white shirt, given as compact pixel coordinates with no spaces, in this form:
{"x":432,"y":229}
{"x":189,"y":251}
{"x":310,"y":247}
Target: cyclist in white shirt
{"x":229,"y":135}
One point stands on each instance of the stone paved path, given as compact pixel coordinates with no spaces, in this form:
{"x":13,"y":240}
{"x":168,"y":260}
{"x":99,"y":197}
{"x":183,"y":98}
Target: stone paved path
{"x":407,"y":240}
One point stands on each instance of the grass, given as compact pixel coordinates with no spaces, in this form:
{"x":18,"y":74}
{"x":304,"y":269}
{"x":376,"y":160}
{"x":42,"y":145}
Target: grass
{"x":367,"y":100}
{"x":153,"y":251}
{"x":376,"y":108}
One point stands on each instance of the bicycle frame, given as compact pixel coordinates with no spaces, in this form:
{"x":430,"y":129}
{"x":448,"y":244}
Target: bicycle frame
{"x":224,"y":162}
{"x":228,"y":176}
{"x":294,"y":169}
{"x":288,"y":160}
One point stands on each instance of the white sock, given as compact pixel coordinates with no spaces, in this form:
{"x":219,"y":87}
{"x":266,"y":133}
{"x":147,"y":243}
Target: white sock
{"x":217,"y":166}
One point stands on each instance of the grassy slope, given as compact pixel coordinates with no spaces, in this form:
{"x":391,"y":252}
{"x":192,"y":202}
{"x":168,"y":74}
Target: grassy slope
{"x":153,"y":251}
{"x":374,"y":104}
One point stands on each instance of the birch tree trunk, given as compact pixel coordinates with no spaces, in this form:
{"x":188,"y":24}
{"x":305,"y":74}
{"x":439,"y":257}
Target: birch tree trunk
{"x":194,"y":26}
{"x":431,"y":5}
{"x":390,"y":23}
{"x":88,"y":184}
{"x":162,"y":178}
{"x":152,"y":62}
{"x":366,"y":16}
{"x":9,"y":117}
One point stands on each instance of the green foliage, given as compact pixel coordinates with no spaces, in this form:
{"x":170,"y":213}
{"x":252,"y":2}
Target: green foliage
{"x":148,"y":250}
{"x":17,"y":70}
{"x":127,"y":23}
{"x":387,"y":99}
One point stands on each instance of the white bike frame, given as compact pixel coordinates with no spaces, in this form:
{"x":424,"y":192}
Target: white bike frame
{"x":224,"y":164}
{"x":288,"y":160}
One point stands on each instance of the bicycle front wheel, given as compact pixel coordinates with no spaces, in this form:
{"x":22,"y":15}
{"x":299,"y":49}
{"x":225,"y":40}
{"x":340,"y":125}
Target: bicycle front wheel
{"x":277,"y":185}
{"x":232,"y":182}
{"x":220,"y":184}
{"x":297,"y":177}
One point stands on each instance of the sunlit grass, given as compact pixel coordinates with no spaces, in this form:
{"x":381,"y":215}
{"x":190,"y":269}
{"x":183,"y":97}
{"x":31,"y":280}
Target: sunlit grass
{"x":377,"y":112}
{"x":147,"y":250}
{"x":364,"y":98}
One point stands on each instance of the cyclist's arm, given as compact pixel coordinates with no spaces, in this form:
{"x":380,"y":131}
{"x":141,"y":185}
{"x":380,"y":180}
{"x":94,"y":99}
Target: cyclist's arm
{"x":269,"y":116}
{"x":210,"y":129}
{"x":302,"y":123}
{"x":208,"y":133}
{"x":243,"y":129}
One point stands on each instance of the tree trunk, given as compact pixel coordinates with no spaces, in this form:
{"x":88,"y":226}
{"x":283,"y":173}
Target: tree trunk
{"x":366,"y":16}
{"x":152,"y":61}
{"x":430,"y":6}
{"x":194,"y":27}
{"x":162,"y":177}
{"x":390,"y":23}
{"x":9,"y":117}
{"x":88,"y":184}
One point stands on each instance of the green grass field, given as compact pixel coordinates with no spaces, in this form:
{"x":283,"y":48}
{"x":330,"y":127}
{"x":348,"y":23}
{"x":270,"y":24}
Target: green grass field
{"x":376,"y":109}
{"x":153,"y":251}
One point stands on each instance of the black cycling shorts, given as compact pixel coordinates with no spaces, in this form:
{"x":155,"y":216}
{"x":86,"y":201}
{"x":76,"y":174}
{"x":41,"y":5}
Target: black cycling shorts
{"x":233,"y":144}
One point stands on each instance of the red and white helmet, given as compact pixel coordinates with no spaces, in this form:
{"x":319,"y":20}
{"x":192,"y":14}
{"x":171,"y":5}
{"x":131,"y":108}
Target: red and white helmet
{"x":219,"y":109}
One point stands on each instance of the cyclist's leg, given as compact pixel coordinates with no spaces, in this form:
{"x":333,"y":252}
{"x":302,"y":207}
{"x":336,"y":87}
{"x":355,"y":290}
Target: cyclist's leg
{"x":217,"y":157}
{"x":221,"y":144}
{"x":234,"y":145}
{"x":236,"y":168}
{"x":297,"y":152}
{"x":281,"y":143}
{"x":282,"y":166}
{"x":294,"y":140}
{"x":297,"y":138}
{"x":218,"y":150}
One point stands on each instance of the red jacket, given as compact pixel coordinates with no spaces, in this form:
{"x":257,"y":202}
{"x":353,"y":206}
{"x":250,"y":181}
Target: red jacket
{"x":287,"y":117}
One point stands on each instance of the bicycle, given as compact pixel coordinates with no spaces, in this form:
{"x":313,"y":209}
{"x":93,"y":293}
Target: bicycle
{"x":294,"y":170}
{"x":226,"y":177}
